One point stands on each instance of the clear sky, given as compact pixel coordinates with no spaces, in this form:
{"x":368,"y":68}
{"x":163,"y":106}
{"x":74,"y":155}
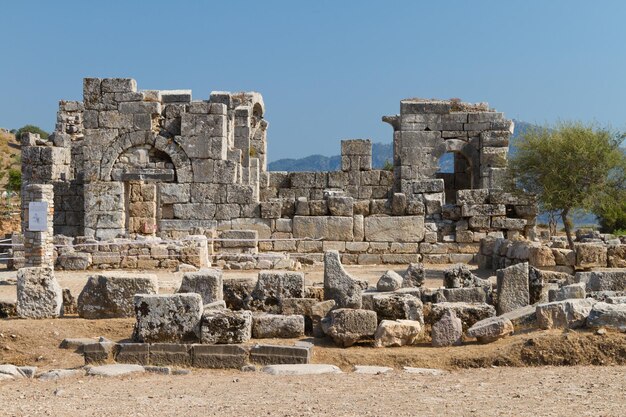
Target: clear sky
{"x":328,"y":70}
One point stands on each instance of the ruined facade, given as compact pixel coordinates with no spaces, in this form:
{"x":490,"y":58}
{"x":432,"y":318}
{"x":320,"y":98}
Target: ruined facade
{"x":130,"y":163}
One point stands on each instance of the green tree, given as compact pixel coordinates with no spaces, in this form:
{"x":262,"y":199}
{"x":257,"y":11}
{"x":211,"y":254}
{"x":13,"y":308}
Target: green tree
{"x":568,"y":167}
{"x":15,"y":180}
{"x":610,"y":208}
{"x":31,"y":129}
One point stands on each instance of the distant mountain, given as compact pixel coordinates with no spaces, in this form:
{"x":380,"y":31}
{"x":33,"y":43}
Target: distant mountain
{"x":381,"y":153}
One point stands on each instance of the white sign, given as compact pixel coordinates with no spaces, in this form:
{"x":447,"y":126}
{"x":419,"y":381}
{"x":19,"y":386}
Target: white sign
{"x":38,"y":216}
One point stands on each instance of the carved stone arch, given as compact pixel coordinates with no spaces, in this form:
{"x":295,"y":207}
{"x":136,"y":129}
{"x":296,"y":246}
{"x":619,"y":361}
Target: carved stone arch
{"x":182,"y":163}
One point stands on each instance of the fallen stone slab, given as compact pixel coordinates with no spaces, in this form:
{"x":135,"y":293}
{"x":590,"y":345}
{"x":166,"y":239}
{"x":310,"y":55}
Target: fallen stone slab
{"x":612,"y":316}
{"x":115,"y":370}
{"x":398,"y":306}
{"x":11,"y":370}
{"x":206,"y":282}
{"x":161,"y":370}
{"x":55,"y":374}
{"x":339,"y":285}
{"x":226,"y":326}
{"x":306,"y":369}
{"x":111,"y":295}
{"x":39,"y":295}
{"x":513,"y":288}
{"x":348,"y":326}
{"x":447,"y":331}
{"x":76,"y":344}
{"x":272,"y":287}
{"x":265,"y":326}
{"x":371,"y":370}
{"x":167,"y":318}
{"x":397,"y":333}
{"x":28,"y":371}
{"x":424,"y":371}
{"x":414,"y":276}
{"x":567,"y":314}
{"x":389,"y":281}
{"x":567,"y":292}
{"x":522,"y":317}
{"x":469,"y":314}
{"x":491,"y":329}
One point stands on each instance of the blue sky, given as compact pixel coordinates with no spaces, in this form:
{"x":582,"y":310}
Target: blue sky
{"x":328,"y":70}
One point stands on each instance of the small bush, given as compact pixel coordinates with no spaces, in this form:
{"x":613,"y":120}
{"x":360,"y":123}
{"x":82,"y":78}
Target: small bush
{"x":31,"y":129}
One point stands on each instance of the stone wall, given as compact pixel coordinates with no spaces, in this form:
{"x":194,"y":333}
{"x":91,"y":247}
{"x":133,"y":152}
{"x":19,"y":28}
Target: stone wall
{"x":131,"y":163}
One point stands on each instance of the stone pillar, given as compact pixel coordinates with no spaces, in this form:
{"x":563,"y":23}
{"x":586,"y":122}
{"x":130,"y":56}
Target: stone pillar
{"x":37,"y":225}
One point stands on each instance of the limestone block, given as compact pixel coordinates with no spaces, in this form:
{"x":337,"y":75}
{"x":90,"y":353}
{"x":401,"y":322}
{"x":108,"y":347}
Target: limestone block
{"x":540,"y":256}
{"x":513,"y":288}
{"x":567,"y":314}
{"x":116,"y":85}
{"x":571,"y":291}
{"x":460,"y":276}
{"x":398,"y":306}
{"x":340,"y":205}
{"x":176,"y":96}
{"x":397,"y":333}
{"x":614,"y":280}
{"x":278,"y":354}
{"x":236,"y":291}
{"x":394,"y":229}
{"x":112,"y":294}
{"x":589,"y":255}
{"x":339,"y":285}
{"x":491,"y":329}
{"x":469,"y":210}
{"x":323,"y":227}
{"x":414,"y":276}
{"x":494,"y":157}
{"x":170,"y":193}
{"x":38,"y":293}
{"x":616,"y":256}
{"x":167,"y":318}
{"x":266,"y":326}
{"x":447,"y":331}
{"x":469,"y":313}
{"x":272,"y":287}
{"x":74,"y":261}
{"x":206,"y":282}
{"x":612,"y":316}
{"x":149,"y":107}
{"x":226,"y":326}
{"x":428,"y":186}
{"x":348,"y":326}
{"x":495,"y":138}
{"x":465,"y":295}
{"x":508,"y":223}
{"x":389,"y":281}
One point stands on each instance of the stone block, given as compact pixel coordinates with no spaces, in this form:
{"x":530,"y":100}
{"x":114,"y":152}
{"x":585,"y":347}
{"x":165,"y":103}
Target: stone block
{"x":612,"y":316}
{"x":397,"y":306}
{"x":138,"y":353}
{"x":613,"y":280}
{"x":112,"y":294}
{"x":469,"y":210}
{"x":570,"y":291}
{"x":589,"y":255}
{"x":339,"y":285}
{"x":414,"y":275}
{"x":323,"y":227}
{"x":275,"y":355}
{"x":165,"y":354}
{"x":167,"y":318}
{"x":265,"y":326}
{"x":219,"y":356}
{"x":74,"y":261}
{"x":226,"y":326}
{"x":39,"y":295}
{"x":469,"y":313}
{"x":390,"y":281}
{"x":272,"y":287}
{"x":236,"y":291}
{"x":397,"y":333}
{"x":447,"y":331}
{"x":428,"y":186}
{"x":394,"y":229}
{"x":206,"y":282}
{"x":465,"y":295}
{"x":567,"y":314}
{"x":348,"y":326}
{"x":491,"y":329}
{"x":513,"y":288}
{"x":340,"y":205}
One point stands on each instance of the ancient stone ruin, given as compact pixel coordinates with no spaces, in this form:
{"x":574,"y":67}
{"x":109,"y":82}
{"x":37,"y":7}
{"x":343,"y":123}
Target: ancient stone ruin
{"x":129,"y":163}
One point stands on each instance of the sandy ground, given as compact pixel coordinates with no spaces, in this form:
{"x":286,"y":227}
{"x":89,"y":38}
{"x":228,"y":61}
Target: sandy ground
{"x":547,"y":391}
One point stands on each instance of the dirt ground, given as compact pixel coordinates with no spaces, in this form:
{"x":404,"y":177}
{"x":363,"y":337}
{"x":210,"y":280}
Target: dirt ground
{"x":519,"y":375}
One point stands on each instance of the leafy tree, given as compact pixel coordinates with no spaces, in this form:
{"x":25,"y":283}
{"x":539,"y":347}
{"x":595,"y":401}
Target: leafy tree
{"x":31,"y":129}
{"x":569,"y":167}
{"x":15,"y":180}
{"x":610,"y":208}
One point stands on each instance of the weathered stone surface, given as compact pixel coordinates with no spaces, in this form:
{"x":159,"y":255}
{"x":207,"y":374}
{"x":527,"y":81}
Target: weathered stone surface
{"x":339,"y":285}
{"x":8,"y":309}
{"x":590,"y":255}
{"x":74,"y":261}
{"x":167,"y":318}
{"x":414,"y":275}
{"x":111,"y":295}
{"x":397,"y":333}
{"x":275,"y":355}
{"x":265,"y":326}
{"x":115,"y":370}
{"x":236,"y":291}
{"x":396,"y":306}
{"x":206,"y":282}
{"x":340,"y":205}
{"x":522,"y":317}
{"x":38,"y":293}
{"x":513,"y":288}
{"x":607,"y":315}
{"x":390,"y":281}
{"x":166,"y":354}
{"x":11,"y":370}
{"x":460,"y":276}
{"x":567,"y":314}
{"x":447,"y":331}
{"x":465,"y":295}
{"x":226,"y":327}
{"x":570,"y":291}
{"x":55,"y":374}
{"x":491,"y":329}
{"x":469,"y":314}
{"x":613,"y":280}
{"x":340,"y":228}
{"x":272,"y":287}
{"x":394,"y":229}
{"x":306,"y":369}
{"x":348,"y":326}
{"x":219,"y":356}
